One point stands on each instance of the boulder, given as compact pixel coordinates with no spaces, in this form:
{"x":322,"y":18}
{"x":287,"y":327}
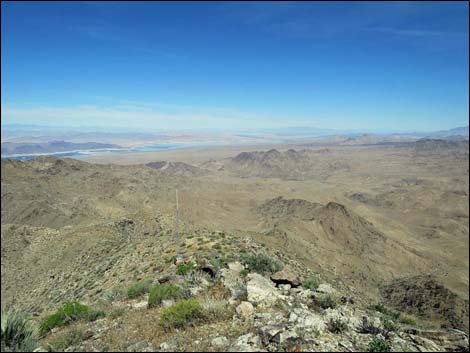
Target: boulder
{"x":305,"y":320}
{"x":286,"y":276}
{"x":247,"y":343}
{"x":245,"y":309}
{"x":261,"y":291}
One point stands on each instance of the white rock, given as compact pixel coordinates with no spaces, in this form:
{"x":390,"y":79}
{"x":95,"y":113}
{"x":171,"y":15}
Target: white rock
{"x":326,"y":288}
{"x":245,"y":309}
{"x":260,"y":290}
{"x":220,"y":341}
{"x":167,"y":303}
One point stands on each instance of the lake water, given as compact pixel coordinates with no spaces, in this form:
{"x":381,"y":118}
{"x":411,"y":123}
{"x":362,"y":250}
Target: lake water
{"x":84,"y":154}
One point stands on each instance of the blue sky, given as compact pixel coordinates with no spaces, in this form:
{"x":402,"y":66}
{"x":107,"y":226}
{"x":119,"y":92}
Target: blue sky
{"x":356,"y":65}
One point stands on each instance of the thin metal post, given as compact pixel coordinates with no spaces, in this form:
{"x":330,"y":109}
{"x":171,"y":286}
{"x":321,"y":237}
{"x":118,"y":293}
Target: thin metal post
{"x":177,"y":231}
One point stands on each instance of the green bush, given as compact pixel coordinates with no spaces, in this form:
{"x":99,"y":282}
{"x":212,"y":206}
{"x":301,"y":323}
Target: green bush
{"x":182,"y":313}
{"x":381,"y":308}
{"x":70,"y":312}
{"x":379,"y":345}
{"x":390,"y":326}
{"x":328,"y":301}
{"x":184,"y":268}
{"x":17,"y":333}
{"x":244,"y":272}
{"x":162,"y":292}
{"x":311,"y":283}
{"x":117,"y":293}
{"x":337,"y":325}
{"x":139,"y":288}
{"x":261,"y":263}
{"x":407,"y":319}
{"x":66,"y":339}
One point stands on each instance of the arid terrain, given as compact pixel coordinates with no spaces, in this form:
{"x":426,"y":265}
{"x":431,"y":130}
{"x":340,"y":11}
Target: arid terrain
{"x":384,"y":224}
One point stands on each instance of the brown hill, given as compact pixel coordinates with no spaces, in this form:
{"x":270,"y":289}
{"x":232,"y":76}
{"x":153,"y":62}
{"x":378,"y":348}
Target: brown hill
{"x":336,"y":237}
{"x":291,"y":164}
{"x":425,"y":297}
{"x":177,"y":168}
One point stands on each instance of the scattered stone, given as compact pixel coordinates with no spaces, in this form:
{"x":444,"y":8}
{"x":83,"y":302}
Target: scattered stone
{"x":326,"y":289}
{"x":167,"y":302}
{"x":307,"y":321}
{"x":220,"y":341}
{"x":247,"y":343}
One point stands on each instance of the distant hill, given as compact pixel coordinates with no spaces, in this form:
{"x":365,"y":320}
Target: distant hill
{"x":461,"y":130}
{"x":11,"y":148}
{"x":291,"y":164}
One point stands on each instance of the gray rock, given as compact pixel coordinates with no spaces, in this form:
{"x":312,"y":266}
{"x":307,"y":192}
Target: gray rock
{"x":286,"y":276}
{"x":220,"y":341}
{"x":247,"y":343}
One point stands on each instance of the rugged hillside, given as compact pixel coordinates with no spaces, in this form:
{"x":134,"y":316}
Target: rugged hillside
{"x":177,"y":168}
{"x":429,"y":299}
{"x":334,"y":235}
{"x":291,"y":164}
{"x":305,"y":277}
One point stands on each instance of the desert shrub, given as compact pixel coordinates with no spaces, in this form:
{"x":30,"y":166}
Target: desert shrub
{"x":66,"y":339}
{"x":328,"y":300}
{"x":182,"y":313}
{"x":139,"y":288}
{"x":214,"y":308}
{"x":68,"y":313}
{"x":407,"y":319}
{"x":379,"y":344}
{"x":369,"y":327}
{"x":184,"y":268}
{"x":117,"y":293}
{"x":117,"y":312}
{"x":381,"y":308}
{"x":244,"y":272}
{"x":17,"y":333}
{"x":240,"y":291}
{"x":261,"y":263}
{"x":162,"y":292}
{"x":311,"y":283}
{"x":197,"y":278}
{"x":336,"y":325}
{"x":390,"y":326}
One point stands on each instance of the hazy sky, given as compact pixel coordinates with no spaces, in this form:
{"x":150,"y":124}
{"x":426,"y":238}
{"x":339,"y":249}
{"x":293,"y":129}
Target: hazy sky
{"x":354,"y":65}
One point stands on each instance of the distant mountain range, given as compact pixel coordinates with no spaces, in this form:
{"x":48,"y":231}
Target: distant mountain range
{"x":13,"y":148}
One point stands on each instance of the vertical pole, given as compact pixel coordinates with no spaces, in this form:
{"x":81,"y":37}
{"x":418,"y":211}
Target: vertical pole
{"x":177,"y":231}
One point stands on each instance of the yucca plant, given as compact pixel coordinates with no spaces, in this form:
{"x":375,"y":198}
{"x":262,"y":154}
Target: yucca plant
{"x":18,"y":335}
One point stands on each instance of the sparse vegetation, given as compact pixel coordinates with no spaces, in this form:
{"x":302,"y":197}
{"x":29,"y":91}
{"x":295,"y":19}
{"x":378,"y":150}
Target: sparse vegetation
{"x":407,"y":319}
{"x":182,"y":313}
{"x":214,"y":308}
{"x":311,"y":282}
{"x":68,"y":313}
{"x":336,"y":325}
{"x":390,"y":326}
{"x":379,"y":344}
{"x":261,"y":263}
{"x":381,"y":308}
{"x":17,"y":333}
{"x":184,"y":268}
{"x":117,"y":293}
{"x":328,"y":300}
{"x":66,"y":339}
{"x":139,"y":288}
{"x":244,"y":272}
{"x":162,"y":292}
